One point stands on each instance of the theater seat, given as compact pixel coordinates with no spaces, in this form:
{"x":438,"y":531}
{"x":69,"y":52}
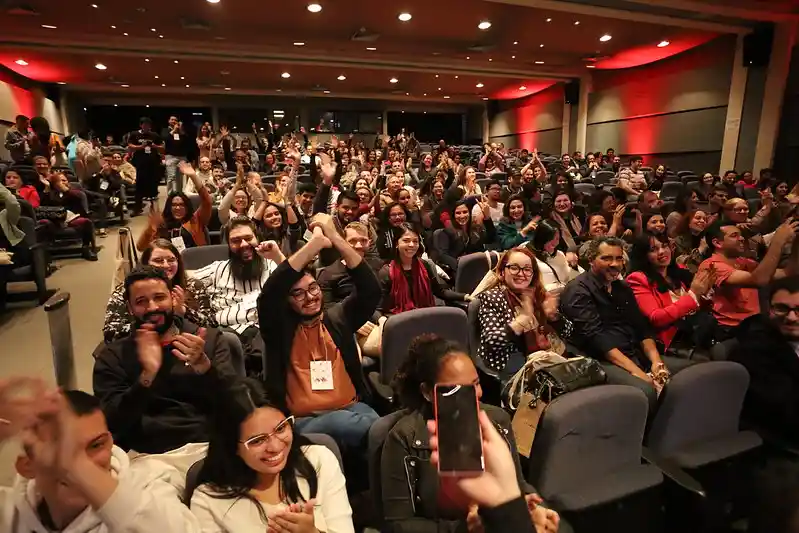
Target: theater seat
{"x":472,"y":268}
{"x":586,"y":461}
{"x":670,"y":190}
{"x":489,"y":379}
{"x":36,"y":269}
{"x":378,"y":434}
{"x":200,"y":256}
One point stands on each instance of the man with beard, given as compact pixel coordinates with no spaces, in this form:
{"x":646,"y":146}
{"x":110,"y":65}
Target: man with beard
{"x":156,"y":385}
{"x":313,"y":368}
{"x":234,"y":285}
{"x":609,"y":325}
{"x":768,"y":346}
{"x":347,"y":205}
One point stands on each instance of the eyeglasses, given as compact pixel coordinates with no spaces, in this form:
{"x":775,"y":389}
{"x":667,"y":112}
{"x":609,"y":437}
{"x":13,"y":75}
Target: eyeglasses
{"x":516,"y":269}
{"x":282,"y":431}
{"x":784,"y":310}
{"x":164,"y":261}
{"x":300,"y":295}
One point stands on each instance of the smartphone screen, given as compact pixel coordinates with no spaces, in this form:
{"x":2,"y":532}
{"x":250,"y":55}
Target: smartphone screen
{"x":459,"y":441}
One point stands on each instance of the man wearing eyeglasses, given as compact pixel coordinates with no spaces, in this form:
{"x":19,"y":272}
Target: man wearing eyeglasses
{"x":312,"y":363}
{"x":768,"y":346}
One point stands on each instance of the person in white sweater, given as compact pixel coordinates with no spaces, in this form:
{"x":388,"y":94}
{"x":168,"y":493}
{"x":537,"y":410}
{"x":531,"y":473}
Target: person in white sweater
{"x":71,"y":476}
{"x":557,"y":269}
{"x":259,"y":476}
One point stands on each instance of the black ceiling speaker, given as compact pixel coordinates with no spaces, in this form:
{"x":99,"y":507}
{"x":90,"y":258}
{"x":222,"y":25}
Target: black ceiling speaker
{"x":757,"y":46}
{"x":571,"y":92}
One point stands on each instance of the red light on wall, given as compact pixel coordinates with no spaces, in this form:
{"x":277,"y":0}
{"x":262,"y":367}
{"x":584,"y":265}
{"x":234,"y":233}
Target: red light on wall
{"x":643,"y":55}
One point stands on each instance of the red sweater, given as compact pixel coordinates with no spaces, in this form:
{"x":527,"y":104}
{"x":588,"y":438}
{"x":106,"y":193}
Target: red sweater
{"x":30,"y":195}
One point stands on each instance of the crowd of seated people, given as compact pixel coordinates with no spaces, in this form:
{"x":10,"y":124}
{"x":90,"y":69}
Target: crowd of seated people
{"x":317,"y":259}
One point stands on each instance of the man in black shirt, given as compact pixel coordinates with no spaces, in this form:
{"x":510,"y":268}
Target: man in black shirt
{"x":105,"y":190}
{"x":335,"y":280}
{"x":609,"y":325}
{"x":176,"y":150}
{"x":146,"y":148}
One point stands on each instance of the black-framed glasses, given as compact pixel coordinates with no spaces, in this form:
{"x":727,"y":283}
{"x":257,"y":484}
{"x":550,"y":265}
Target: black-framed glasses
{"x":784,"y":310}
{"x":302,"y":294}
{"x":282,"y":431}
{"x":516,"y":269}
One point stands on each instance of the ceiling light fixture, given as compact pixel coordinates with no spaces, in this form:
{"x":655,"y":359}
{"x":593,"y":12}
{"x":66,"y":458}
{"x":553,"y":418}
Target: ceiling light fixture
{"x":62,"y":83}
{"x":590,"y":66}
{"x":605,"y":38}
{"x":146,"y":59}
{"x":100,"y":66}
{"x":116,"y":105}
{"x":95,"y":6}
{"x":314,"y":8}
{"x":125,"y":85}
{"x":113,"y":27}
{"x":490,"y":59}
{"x":160,"y":36}
{"x":187,"y":85}
{"x":540,"y":46}
{"x":484,"y":25}
{"x":513,"y":57}
{"x":212,"y":1}
{"x":549,"y":20}
{"x":467,"y":57}
{"x":299,"y":43}
{"x":439,"y":88}
{"x":539,"y":62}
{"x":156,"y":77}
{"x":663,"y":44}
{"x":163,"y":85}
{"x":446,"y":98}
{"x":153,"y":30}
{"x":285,"y":75}
{"x":183,"y":77}
{"x":393,"y":80}
{"x":456,"y":77}
{"x":479,"y":85}
{"x":523,"y":88}
{"x":49,"y":27}
{"x":405,"y":17}
{"x":342,"y":78}
{"x":371,"y":48}
{"x":436,"y":75}
{"x":326,"y":92}
{"x":576,"y":22}
{"x":227,"y":88}
{"x":176,"y":61}
{"x":148,"y":105}
{"x":125,"y":34}
{"x":485,"y":98}
{"x":515,"y":42}
{"x":21,"y":62}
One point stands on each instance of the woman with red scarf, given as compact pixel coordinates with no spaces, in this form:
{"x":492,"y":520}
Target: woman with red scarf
{"x":408,"y":281}
{"x":517,"y":317}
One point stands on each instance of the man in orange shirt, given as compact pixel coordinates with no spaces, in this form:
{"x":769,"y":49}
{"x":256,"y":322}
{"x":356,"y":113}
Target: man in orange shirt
{"x":737,"y":278}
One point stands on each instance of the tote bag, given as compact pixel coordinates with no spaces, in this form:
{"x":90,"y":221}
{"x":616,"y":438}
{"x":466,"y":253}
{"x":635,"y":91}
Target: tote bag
{"x":126,"y":259}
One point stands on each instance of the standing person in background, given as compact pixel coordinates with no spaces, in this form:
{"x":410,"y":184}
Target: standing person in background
{"x":146,"y":147}
{"x":17,"y":138}
{"x":176,"y":150}
{"x":205,"y":140}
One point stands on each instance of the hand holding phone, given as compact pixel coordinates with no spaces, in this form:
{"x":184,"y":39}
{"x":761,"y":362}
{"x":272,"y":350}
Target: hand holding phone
{"x":458,"y":429}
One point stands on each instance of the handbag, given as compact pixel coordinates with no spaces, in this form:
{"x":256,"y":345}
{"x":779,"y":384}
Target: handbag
{"x":571,"y":375}
{"x":56,"y":214}
{"x":490,"y":279}
{"x":126,"y":258}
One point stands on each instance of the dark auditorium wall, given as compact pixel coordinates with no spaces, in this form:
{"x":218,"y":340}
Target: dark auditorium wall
{"x":786,"y":157}
{"x":673,"y":111}
{"x":535,"y":121}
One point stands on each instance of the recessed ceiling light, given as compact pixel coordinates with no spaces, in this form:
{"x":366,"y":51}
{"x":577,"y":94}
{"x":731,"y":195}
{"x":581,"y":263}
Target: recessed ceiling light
{"x":146,"y":59}
{"x":424,"y":112}
{"x":160,"y":36}
{"x":156,"y":77}
{"x":148,"y":105}
{"x":479,"y":85}
{"x":176,"y":61}
{"x":212,"y":1}
{"x":663,"y":44}
{"x":227,"y":88}
{"x":326,"y":92}
{"x":540,"y":46}
{"x":21,"y":62}
{"x":100,"y":66}
{"x":116,"y":105}
{"x":393,"y":80}
{"x":371,"y":48}
{"x":125,"y":34}
{"x":523,"y":88}
{"x":485,"y":98}
{"x":576,"y":22}
{"x":285,"y":75}
{"x":490,"y":59}
{"x":484,"y":25}
{"x":49,"y":27}
{"x":513,"y":57}
{"x":62,"y":83}
{"x":163,"y":85}
{"x":590,"y":66}
{"x":446,"y":98}
{"x":125,"y":85}
{"x":436,"y":75}
{"x":299,"y":43}
{"x":314,"y":8}
{"x":549,"y":20}
{"x":279,"y":90}
{"x":405,"y":17}
{"x":456,"y":77}
{"x":342,"y":78}
{"x":539,"y":62}
{"x":183,"y":77}
{"x":153,"y":29}
{"x":439,"y":88}
{"x":515,"y":42}
{"x":95,"y":6}
{"x":425,"y":94}
{"x":605,"y":38}
{"x":187,"y":85}
{"x":113,"y":27}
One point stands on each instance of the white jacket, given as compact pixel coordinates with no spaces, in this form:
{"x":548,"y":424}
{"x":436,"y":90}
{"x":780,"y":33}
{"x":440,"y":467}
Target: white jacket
{"x":556,"y":272}
{"x":147,"y":500}
{"x":332,"y":513}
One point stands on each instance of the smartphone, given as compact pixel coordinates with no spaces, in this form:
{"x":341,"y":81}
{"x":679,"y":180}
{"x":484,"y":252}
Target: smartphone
{"x":460,"y":443}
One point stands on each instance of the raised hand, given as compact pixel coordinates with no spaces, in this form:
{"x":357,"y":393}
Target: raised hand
{"x":179,"y":300}
{"x":190,"y":349}
{"x":703,"y":281}
{"x":328,"y":169}
{"x":224,"y":131}
{"x":24,"y":401}
{"x":149,"y":351}
{"x":270,"y":250}
{"x":186,"y":169}
{"x":325,"y":223}
{"x":297,"y":518}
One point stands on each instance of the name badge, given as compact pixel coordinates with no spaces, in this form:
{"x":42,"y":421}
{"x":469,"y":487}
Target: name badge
{"x":103,"y":185}
{"x":178,"y":243}
{"x":176,"y":136}
{"x":308,"y":235}
{"x":147,"y":150}
{"x":321,"y":375}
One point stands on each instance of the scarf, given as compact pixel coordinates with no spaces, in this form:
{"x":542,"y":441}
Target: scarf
{"x":406,"y":298}
{"x":565,"y":229}
{"x":536,"y":339}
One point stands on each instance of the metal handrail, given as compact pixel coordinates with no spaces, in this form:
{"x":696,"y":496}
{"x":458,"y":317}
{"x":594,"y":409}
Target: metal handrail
{"x":57,"y":309}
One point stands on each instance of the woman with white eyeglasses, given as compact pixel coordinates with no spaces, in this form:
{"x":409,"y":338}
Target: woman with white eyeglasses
{"x":191,"y":297}
{"x":261,"y":477}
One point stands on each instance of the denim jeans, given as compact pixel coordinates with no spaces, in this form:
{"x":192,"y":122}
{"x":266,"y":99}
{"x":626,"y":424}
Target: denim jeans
{"x":174,"y":181}
{"x":347,"y":426}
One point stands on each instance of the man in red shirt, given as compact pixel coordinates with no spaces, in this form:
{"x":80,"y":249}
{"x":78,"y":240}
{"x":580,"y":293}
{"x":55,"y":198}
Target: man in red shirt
{"x":737,"y":278}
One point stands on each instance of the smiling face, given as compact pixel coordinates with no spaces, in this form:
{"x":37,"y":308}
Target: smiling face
{"x":408,"y":245}
{"x":563,"y":204}
{"x":240,"y":201}
{"x":165,"y":260}
{"x":656,"y":225}
{"x":272,"y":217}
{"x":427,"y":161}
{"x":518,"y":272}
{"x":438,"y":190}
{"x":516,"y":210}
{"x":396,"y":215}
{"x":659,"y":254}
{"x":461,"y":215}
{"x":205,"y":164}
{"x":736,"y":210}
{"x":609,"y":262}
{"x":178,"y":208}
{"x":698,"y":222}
{"x":781,"y":189}
{"x":268,"y":436}
{"x":305,"y":297}
{"x":597,"y":226}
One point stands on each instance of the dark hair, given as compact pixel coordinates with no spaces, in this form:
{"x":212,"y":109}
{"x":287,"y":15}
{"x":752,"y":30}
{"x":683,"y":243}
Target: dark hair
{"x":715,"y":231}
{"x":544,"y":232}
{"x":789,"y":284}
{"x":20,"y":117}
{"x":82,"y":403}
{"x":594,"y":244}
{"x":349,"y":195}
{"x":649,"y":216}
{"x":142,"y":273}
{"x":426,"y":355}
{"x":385,"y":220}
{"x":240,"y":220}
{"x":553,"y":182}
{"x":506,"y":209}
{"x":278,"y":234}
{"x":169,"y":218}
{"x":146,"y":120}
{"x":639,"y":262}
{"x":306,"y":187}
{"x":597,"y":198}
{"x":226,"y":473}
{"x":682,"y":199}
{"x":635,"y":158}
{"x":397,"y":234}
{"x":718,"y":188}
{"x":730,"y":172}
{"x":163,"y":244}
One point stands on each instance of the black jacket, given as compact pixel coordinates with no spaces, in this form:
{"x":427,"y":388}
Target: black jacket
{"x":438,"y":289}
{"x":278,"y":324}
{"x":450,"y":246}
{"x":772,"y":401}
{"x":337,"y":283}
{"x":175,"y":409}
{"x":410,"y":482}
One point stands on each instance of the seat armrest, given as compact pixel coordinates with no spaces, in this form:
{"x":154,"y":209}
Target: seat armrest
{"x":382,"y":390}
{"x":672,"y":471}
{"x":482,"y":367}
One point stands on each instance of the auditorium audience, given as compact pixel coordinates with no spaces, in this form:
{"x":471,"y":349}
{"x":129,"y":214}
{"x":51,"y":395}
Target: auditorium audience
{"x":557,"y":268}
{"x":72,"y":477}
{"x":335,"y":280}
{"x":313,"y":370}
{"x":464,"y":236}
{"x":517,"y":224}
{"x":570,"y":226}
{"x":26,"y":192}
{"x":145,"y":147}
{"x":690,"y":245}
{"x":10,"y":240}
{"x":409,"y":484}
{"x":259,"y":475}
{"x":62,"y":207}
{"x":609,"y":325}
{"x":190,"y":297}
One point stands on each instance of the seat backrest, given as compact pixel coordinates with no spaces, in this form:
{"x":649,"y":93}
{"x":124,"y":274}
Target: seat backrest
{"x":399,"y":330}
{"x":700,"y":403}
{"x":439,"y":243}
{"x":473,"y":323}
{"x":200,"y":256}
{"x":321,"y":439}
{"x":378,"y":433}
{"x":603,"y":176}
{"x":670,"y":190}
{"x":471,"y":270}
{"x":195,"y":201}
{"x":586,"y":435}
